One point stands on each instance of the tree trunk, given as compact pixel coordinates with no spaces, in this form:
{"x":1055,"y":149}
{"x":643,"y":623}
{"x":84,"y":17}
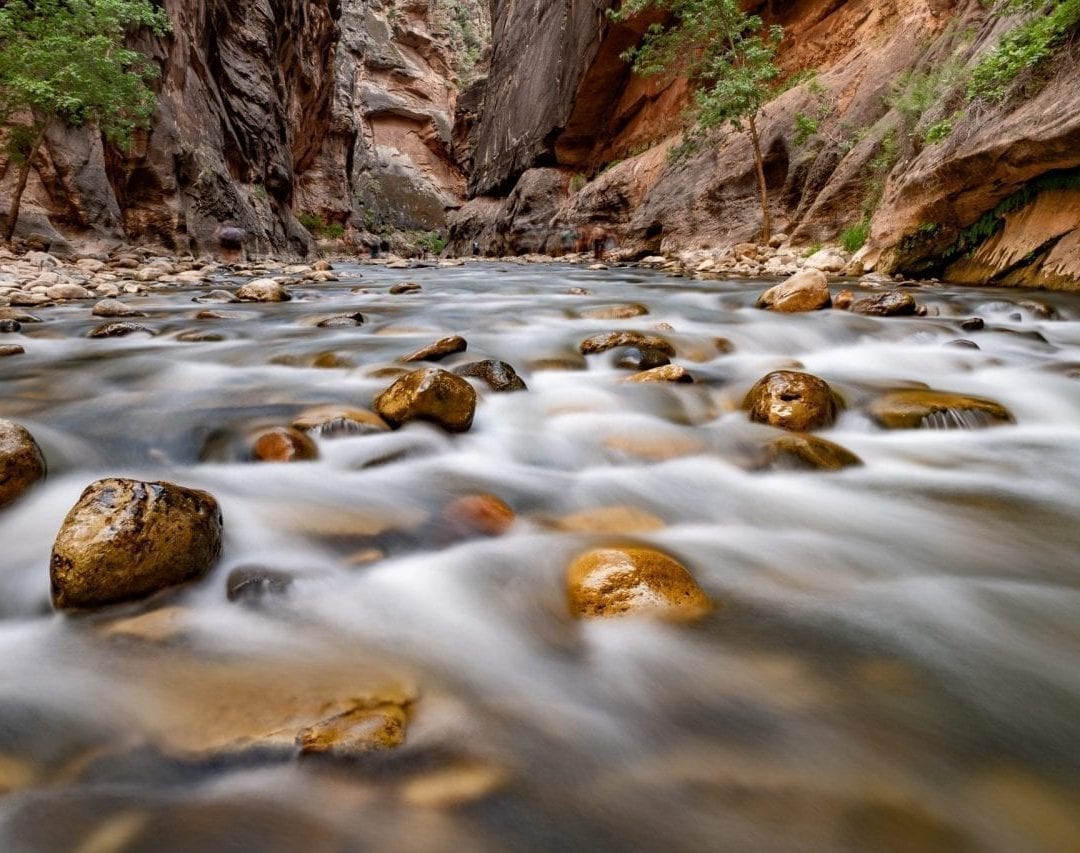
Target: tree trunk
{"x":20,"y":187}
{"x":759,"y":164}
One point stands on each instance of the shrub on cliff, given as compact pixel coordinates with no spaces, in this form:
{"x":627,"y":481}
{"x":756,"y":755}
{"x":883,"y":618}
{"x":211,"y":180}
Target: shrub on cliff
{"x":728,"y":55}
{"x":67,"y":60}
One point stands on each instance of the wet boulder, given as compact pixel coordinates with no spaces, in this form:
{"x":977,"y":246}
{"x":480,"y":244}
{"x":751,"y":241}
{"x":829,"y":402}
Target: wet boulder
{"x":499,"y":375}
{"x":342,"y":321}
{"x":666,"y":373}
{"x":438,"y":350}
{"x":429,"y":394}
{"x":608,"y":582}
{"x":791,"y":400}
{"x":801,"y":452}
{"x":639,"y":358}
{"x":404,"y":287}
{"x":921,"y":408}
{"x":894,"y":303}
{"x":21,"y":462}
{"x":112,"y":308}
{"x":283,"y":444}
{"x":610,"y":340}
{"x":356,"y":732}
{"x":127,"y":540}
{"x":8,"y":327}
{"x":807,"y":290}
{"x":263,"y":290}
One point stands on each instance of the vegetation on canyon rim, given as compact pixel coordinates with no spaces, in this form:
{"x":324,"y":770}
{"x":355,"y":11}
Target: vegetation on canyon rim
{"x":729,"y":56}
{"x":67,"y":60}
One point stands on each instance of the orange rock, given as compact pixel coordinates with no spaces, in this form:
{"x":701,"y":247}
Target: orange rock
{"x":610,"y":582}
{"x":483,"y":514}
{"x":283,"y":444}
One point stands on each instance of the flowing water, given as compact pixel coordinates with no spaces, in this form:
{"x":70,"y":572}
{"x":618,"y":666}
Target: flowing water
{"x":894,"y":662}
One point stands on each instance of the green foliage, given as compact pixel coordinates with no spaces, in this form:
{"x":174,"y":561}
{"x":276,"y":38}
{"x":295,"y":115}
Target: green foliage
{"x":916,"y":92}
{"x":578,"y":182}
{"x":854,"y":237}
{"x":1024,"y":48}
{"x":888,"y":151}
{"x":432,"y":242}
{"x":938,"y":131}
{"x":805,"y":127}
{"x":68,"y":59}
{"x":320,"y":228}
{"x":813,"y":249}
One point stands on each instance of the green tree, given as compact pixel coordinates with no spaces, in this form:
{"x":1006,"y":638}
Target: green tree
{"x":67,"y":60}
{"x":729,"y":57}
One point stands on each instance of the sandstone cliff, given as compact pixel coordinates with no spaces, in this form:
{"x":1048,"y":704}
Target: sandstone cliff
{"x":580,"y":144}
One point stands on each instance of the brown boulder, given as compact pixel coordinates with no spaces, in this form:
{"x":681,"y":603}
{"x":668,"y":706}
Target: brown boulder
{"x":807,"y":453}
{"x":115,"y":308}
{"x":609,"y":340}
{"x":263,"y":290}
{"x":622,"y":581}
{"x":439,"y":350}
{"x":405,"y":287}
{"x":21,"y":462}
{"x":915,"y":408}
{"x":118,"y":330}
{"x":807,"y":290}
{"x":126,"y":540}
{"x":791,"y":400}
{"x":283,"y":444}
{"x":665,"y":373}
{"x":895,"y":303}
{"x":429,"y":394}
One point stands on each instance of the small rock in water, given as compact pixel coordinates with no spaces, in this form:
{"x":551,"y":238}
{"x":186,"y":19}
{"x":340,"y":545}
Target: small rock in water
{"x":263,"y":290}
{"x":807,"y":452}
{"x":216,"y":296}
{"x":610,"y":340}
{"x":18,"y":316}
{"x":429,"y":394}
{"x":21,"y":462}
{"x":486,"y":515}
{"x":439,"y":350}
{"x":283,"y":444}
{"x":975,"y":324}
{"x":252,"y":584}
{"x":664,"y":373}
{"x":115,"y":308}
{"x":626,"y":581}
{"x":356,"y":732}
{"x":918,"y":408}
{"x":335,"y":421}
{"x":10,"y":326}
{"x":807,"y":290}
{"x":791,"y":400}
{"x":342,"y":321}
{"x":499,"y":375}
{"x":614,"y":312}
{"x":126,"y":540}
{"x":404,"y":287}
{"x":640,"y":358}
{"x":194,"y":336}
{"x":895,"y":303}
{"x":11,"y":349}
{"x":844,"y":300}
{"x":119,"y":330}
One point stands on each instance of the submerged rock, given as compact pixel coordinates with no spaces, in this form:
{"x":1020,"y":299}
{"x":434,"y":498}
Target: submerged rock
{"x":21,"y":462}
{"x":486,"y":515}
{"x":614,"y":312}
{"x":252,"y":583}
{"x":126,"y":539}
{"x":610,"y":582}
{"x":640,"y":358}
{"x":666,"y":373}
{"x":335,"y":421}
{"x":217,"y":296}
{"x":263,"y":290}
{"x":807,"y":290}
{"x":356,"y":732}
{"x":119,"y":330}
{"x":438,"y":350}
{"x":610,"y":340}
{"x":283,"y":444}
{"x":918,"y":408}
{"x":807,"y":452}
{"x":895,"y":303}
{"x":429,"y":394}
{"x":11,"y":349}
{"x":499,"y":375}
{"x":791,"y":400}
{"x":405,"y":287}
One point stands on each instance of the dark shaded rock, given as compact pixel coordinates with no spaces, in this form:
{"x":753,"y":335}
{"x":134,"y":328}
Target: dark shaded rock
{"x":429,"y":394}
{"x":21,"y":462}
{"x":252,"y":584}
{"x":963,"y":344}
{"x":639,"y":358}
{"x":342,"y":321}
{"x":10,"y":326}
{"x":975,"y":324}
{"x":611,"y":582}
{"x":438,"y":350}
{"x":126,"y":540}
{"x":119,"y":330}
{"x":196,"y":337}
{"x":405,"y":287}
{"x":895,"y":303}
{"x":499,"y":375}
{"x":791,"y":400}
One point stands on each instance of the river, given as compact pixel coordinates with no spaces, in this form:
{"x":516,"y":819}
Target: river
{"x":893,"y":662}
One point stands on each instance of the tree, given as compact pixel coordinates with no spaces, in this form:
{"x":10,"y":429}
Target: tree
{"x":67,"y":60}
{"x":729,"y":57}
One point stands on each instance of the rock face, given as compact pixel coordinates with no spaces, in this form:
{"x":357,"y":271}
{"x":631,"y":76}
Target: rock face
{"x":429,"y":395}
{"x":630,"y":581}
{"x":791,"y":400}
{"x":126,"y":540}
{"x":21,"y":462}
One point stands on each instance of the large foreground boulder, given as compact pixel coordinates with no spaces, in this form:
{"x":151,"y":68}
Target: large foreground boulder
{"x":807,"y":290}
{"x":21,"y":462}
{"x":429,"y":394}
{"x":127,"y":540}
{"x":791,"y":400}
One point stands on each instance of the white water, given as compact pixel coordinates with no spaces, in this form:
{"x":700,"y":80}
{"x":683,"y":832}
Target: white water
{"x":896,"y":656}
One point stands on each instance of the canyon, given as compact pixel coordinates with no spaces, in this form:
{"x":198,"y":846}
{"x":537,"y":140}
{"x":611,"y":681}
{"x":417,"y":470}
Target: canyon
{"x":518,"y":128}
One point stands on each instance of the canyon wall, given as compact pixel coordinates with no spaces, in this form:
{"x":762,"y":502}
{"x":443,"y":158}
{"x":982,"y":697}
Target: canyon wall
{"x":888,"y":144}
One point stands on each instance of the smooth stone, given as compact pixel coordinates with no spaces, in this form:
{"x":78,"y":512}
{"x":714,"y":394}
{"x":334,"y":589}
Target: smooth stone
{"x":11,"y":349}
{"x":283,"y":444}
{"x":216,"y":296}
{"x":916,"y":408}
{"x":68,"y":291}
{"x":405,"y":287}
{"x":610,"y":340}
{"x":640,"y":358}
{"x":118,"y":330}
{"x":895,"y":303}
{"x":115,"y":308}
{"x":614,"y":312}
{"x":807,"y":452}
{"x":791,"y":400}
{"x":429,"y":394}
{"x":335,"y":421}
{"x":609,"y":582}
{"x":126,"y":540}
{"x":21,"y":462}
{"x":263,"y":290}
{"x":251,"y":583}
{"x":196,"y":337}
{"x":807,"y":290}
{"x":665,"y":373}
{"x":486,"y":515}
{"x":331,"y":361}
{"x":438,"y":350}
{"x":499,"y":375}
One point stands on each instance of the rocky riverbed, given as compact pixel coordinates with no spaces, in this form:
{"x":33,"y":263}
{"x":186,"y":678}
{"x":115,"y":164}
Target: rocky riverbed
{"x":535,"y":556}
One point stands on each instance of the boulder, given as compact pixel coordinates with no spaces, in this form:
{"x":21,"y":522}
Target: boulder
{"x":405,"y":287}
{"x":893,"y":303}
{"x":283,"y":444}
{"x":438,"y":350}
{"x":610,"y":582}
{"x":429,"y":394}
{"x":792,"y":400}
{"x":21,"y":462}
{"x":807,"y":452}
{"x":115,"y":308}
{"x":126,"y":540}
{"x":610,"y":340}
{"x":342,"y":321}
{"x":827,"y":260}
{"x":499,"y":375}
{"x":920,"y":408}
{"x":8,"y":327}
{"x":807,"y":290}
{"x":67,"y":290}
{"x":263,"y":290}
